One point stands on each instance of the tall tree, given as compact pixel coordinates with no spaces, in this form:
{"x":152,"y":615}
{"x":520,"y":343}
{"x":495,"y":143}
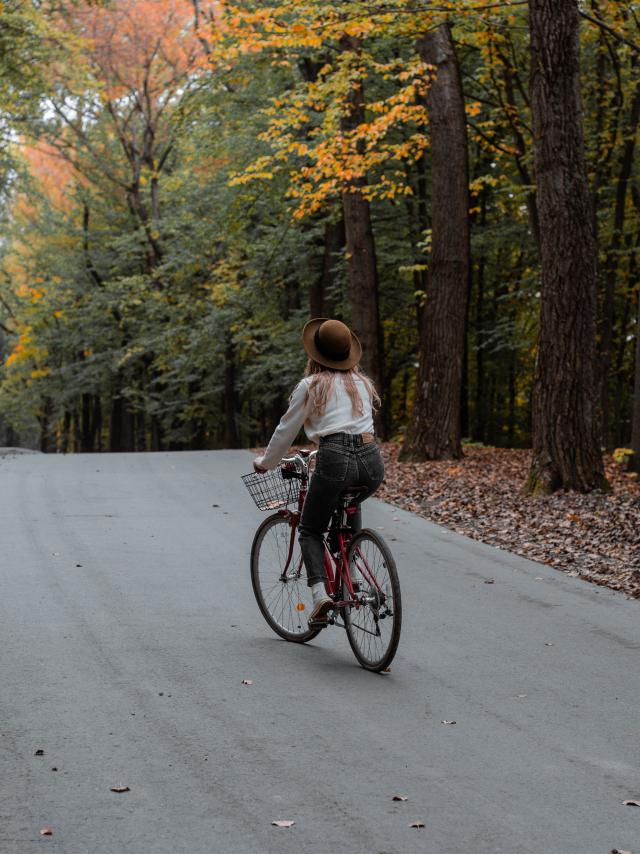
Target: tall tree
{"x":434,"y":428}
{"x":635,"y":422}
{"x":566,"y":453}
{"x":361,"y":250}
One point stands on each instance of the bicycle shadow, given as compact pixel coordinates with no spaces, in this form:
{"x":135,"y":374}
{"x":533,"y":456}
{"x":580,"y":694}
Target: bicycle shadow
{"x":313,"y":658}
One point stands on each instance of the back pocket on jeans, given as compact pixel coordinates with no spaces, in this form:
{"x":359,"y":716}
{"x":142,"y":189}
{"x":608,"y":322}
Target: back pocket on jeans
{"x":371,"y":459}
{"x":332,"y":463}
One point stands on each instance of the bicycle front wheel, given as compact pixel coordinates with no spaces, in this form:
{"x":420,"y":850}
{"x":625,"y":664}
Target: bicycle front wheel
{"x":279,"y":580}
{"x":373,"y":628}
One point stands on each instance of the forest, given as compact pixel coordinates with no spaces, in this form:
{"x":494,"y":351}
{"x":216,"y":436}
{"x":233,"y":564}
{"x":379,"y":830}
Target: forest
{"x":184,"y":183}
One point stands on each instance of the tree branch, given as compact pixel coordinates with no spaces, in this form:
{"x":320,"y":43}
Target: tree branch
{"x":634,"y":47}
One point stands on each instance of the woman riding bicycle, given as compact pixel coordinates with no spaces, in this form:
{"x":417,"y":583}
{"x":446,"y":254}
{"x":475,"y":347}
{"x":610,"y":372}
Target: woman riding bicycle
{"x":335,"y":402}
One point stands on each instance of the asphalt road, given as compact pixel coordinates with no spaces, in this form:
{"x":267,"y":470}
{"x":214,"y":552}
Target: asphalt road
{"x":127,"y":624}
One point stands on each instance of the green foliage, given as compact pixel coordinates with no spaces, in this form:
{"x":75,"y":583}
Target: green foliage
{"x":162,"y":293}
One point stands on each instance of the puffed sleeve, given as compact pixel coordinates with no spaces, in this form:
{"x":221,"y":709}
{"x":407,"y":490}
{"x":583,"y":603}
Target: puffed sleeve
{"x":299,"y":409}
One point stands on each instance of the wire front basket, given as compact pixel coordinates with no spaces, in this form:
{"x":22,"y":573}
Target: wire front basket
{"x":270,"y":490}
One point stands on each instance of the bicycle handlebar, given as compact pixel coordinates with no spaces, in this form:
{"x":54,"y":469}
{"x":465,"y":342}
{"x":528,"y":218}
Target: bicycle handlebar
{"x":301,"y":463}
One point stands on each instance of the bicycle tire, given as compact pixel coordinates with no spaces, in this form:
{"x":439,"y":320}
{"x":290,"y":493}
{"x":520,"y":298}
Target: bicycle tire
{"x":363,"y":623}
{"x":281,"y":612}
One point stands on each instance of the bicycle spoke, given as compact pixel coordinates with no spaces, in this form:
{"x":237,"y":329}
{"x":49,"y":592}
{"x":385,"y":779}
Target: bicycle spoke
{"x":286,"y":603}
{"x":373,"y":627}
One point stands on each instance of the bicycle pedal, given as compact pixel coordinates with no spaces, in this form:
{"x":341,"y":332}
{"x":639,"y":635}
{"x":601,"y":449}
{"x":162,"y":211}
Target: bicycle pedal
{"x":318,"y":624}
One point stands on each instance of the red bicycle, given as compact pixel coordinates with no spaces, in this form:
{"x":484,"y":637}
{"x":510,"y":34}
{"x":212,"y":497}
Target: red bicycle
{"x":360,"y":572}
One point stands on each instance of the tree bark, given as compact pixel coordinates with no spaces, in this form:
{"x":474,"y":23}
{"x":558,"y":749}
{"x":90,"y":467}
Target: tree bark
{"x":231,"y":433}
{"x":566,"y":453}
{"x":635,"y":420}
{"x":320,"y":297}
{"x":86,"y":429}
{"x":607,"y":342}
{"x":434,"y":428}
{"x":361,"y":251}
{"x":44,"y":419}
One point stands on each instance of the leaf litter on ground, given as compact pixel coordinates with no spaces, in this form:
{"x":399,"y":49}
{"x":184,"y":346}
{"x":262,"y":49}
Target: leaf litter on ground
{"x":594,"y":536}
{"x":283,"y":823}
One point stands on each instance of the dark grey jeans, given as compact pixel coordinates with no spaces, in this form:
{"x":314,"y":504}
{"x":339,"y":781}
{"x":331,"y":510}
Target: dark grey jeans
{"x":342,"y":461}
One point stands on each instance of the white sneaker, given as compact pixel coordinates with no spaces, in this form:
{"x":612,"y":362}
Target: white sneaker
{"x":318,"y":616}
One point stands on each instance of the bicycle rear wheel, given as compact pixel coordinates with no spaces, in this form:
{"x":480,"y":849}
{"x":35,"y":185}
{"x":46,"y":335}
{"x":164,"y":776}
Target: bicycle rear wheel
{"x":285,"y":603}
{"x":373,"y":629}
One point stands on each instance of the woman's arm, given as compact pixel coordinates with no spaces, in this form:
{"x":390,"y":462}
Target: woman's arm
{"x":299,"y":409}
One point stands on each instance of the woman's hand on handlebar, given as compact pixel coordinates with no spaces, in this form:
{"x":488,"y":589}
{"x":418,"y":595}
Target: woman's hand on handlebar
{"x":258,"y":467}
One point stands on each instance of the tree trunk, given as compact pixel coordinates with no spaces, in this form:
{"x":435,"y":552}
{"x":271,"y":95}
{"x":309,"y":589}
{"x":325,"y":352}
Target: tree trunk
{"x":361,"y":251}
{"x":464,"y":381}
{"x":607,"y":342}
{"x":86,"y":431}
{"x":121,"y":423}
{"x":363,"y":280}
{"x":156,"y":433}
{"x":44,"y":418}
{"x":434,"y":428}
{"x":635,"y":421}
{"x":11,"y":437}
{"x":566,"y":453}
{"x":115,"y":423}
{"x":231,"y":434}
{"x":97,"y":422}
{"x":320,"y":293}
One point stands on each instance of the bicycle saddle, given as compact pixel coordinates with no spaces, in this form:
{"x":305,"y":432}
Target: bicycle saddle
{"x":352,"y":491}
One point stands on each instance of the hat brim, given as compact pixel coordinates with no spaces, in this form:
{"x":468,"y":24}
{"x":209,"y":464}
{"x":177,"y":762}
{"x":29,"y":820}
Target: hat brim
{"x":309,"y":344}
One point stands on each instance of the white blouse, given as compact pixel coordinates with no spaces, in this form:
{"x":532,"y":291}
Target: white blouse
{"x":337,"y":418}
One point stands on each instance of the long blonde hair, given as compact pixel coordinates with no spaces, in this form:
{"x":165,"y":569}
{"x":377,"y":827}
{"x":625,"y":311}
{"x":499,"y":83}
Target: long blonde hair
{"x":322,"y":385}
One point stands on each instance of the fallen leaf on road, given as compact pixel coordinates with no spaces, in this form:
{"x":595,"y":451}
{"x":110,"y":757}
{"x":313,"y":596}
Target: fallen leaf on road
{"x":120,"y":789}
{"x":417,"y":824}
{"x":46,"y":831}
{"x":619,"y":851}
{"x":489,"y":581}
{"x":54,"y":768}
{"x":449,"y":723}
{"x":399,"y":798}
{"x":247,"y":681}
{"x":39,"y":752}
{"x":548,"y":644}
{"x":387,"y":670}
{"x":283,"y":823}
{"x":631,"y":803}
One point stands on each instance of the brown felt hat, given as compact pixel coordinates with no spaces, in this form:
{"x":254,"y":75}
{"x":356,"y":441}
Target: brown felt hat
{"x":331,"y":343}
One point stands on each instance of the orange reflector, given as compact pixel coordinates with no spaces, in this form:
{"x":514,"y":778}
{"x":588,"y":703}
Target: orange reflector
{"x":300,"y":606}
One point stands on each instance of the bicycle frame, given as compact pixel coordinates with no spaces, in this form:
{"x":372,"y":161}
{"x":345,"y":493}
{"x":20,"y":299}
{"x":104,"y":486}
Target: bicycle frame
{"x":336,"y":567}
